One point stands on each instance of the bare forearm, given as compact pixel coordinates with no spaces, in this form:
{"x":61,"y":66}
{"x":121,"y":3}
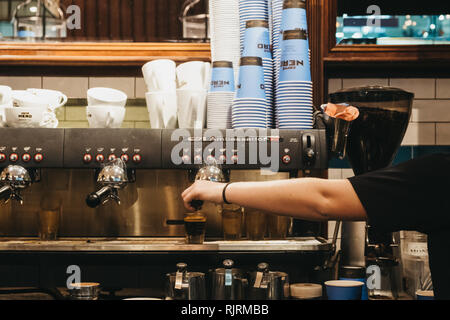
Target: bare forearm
{"x":306,"y":198}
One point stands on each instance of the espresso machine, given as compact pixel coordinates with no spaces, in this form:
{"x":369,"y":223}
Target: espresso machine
{"x":120,"y":191}
{"x":370,"y":143}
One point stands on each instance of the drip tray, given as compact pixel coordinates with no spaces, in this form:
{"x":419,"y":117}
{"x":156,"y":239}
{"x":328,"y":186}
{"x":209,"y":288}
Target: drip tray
{"x":163,"y":244}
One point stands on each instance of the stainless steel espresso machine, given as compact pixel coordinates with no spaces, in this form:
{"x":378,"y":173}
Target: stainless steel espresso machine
{"x":120,"y":195}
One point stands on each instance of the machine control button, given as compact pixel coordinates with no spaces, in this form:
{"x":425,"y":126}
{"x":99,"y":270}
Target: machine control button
{"x":137,"y":158}
{"x":26,"y":157}
{"x":100,"y":158}
{"x":2,"y":157}
{"x":125,"y":158}
{"x":87,"y":158}
{"x":286,"y":159}
{"x":234,"y":158}
{"x":112,"y":157}
{"x":38,"y":157}
{"x":210,"y":159}
{"x":13,"y":157}
{"x":198,"y":159}
{"x":222,"y":159}
{"x":186,"y":159}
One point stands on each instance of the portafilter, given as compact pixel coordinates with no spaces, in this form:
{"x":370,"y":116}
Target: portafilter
{"x":111,"y":178}
{"x":12,"y":180}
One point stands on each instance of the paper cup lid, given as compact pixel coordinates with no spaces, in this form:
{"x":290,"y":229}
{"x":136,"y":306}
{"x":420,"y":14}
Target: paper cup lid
{"x":306,"y":290}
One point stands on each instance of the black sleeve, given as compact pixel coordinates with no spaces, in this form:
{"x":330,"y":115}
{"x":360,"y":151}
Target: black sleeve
{"x":410,"y":196}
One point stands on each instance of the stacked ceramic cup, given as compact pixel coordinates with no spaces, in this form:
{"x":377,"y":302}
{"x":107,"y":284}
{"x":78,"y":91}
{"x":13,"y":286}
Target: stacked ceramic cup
{"x":257,"y":44}
{"x":32,"y":108}
{"x":221,"y":95}
{"x":161,"y":96}
{"x":294,"y":105}
{"x":225,"y":41}
{"x":250,"y":107}
{"x":106,"y":107}
{"x":251,"y":10}
{"x":192,"y":82}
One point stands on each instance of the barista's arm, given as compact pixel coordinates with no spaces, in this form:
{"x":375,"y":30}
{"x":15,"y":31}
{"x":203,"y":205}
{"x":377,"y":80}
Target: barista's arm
{"x":305,"y":198}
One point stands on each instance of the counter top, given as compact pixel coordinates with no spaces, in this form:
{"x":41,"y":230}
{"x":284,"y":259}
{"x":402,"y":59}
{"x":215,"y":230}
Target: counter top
{"x":161,"y":244}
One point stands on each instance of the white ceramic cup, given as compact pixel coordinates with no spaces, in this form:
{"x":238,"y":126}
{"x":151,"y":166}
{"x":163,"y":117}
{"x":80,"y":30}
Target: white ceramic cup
{"x":26,"y":99}
{"x":5,"y":95}
{"x":193,"y":75}
{"x":162,"y":109}
{"x":107,"y":97}
{"x":55,"y":99}
{"x":191,"y":108}
{"x":30,"y":117}
{"x":2,"y":116}
{"x":160,"y":75}
{"x":105,"y":117}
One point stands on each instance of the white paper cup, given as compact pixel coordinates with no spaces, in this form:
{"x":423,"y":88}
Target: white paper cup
{"x":55,"y":99}
{"x":5,"y":95}
{"x":191,"y":108}
{"x":193,"y":75}
{"x":105,"y":117}
{"x":160,"y":75}
{"x":162,"y":109}
{"x":106,"y":97}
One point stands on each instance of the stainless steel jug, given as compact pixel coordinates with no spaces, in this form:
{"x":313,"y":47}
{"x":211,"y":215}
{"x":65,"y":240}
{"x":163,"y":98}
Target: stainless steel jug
{"x":228,"y":283}
{"x":184,"y":285}
{"x":268,"y":285}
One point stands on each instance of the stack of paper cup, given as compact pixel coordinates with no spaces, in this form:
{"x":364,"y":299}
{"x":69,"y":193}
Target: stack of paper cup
{"x":294,"y":103}
{"x":192,"y":82}
{"x":251,"y":10}
{"x":286,"y":15}
{"x":257,"y":44}
{"x":250,"y":107}
{"x":225,"y":41}
{"x":221,"y":95}
{"x":106,"y":107}
{"x":161,"y":96}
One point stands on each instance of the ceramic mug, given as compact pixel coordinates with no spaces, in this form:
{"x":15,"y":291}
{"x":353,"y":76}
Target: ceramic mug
{"x":5,"y":95}
{"x":30,"y":117}
{"x":106,"y":97}
{"x":105,"y":117}
{"x":55,"y":99}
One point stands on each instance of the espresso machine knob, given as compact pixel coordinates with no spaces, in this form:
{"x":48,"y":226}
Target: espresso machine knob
{"x":26,"y":157}
{"x":112,"y":157}
{"x":13,"y":157}
{"x":286,"y":159}
{"x":100,"y":158}
{"x":2,"y":157}
{"x":38,"y":157}
{"x":234,"y":158}
{"x":186,"y":159}
{"x":125,"y":158}
{"x":87,"y":158}
{"x":137,"y":158}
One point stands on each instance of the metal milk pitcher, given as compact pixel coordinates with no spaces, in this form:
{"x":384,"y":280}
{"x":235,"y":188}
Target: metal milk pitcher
{"x":184,"y":285}
{"x":228,"y":283}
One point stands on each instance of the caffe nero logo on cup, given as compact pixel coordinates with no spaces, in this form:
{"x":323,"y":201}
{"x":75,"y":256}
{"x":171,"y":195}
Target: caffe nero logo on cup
{"x":291,"y":64}
{"x":25,"y":115}
{"x":265,"y":47}
{"x":220,"y":83}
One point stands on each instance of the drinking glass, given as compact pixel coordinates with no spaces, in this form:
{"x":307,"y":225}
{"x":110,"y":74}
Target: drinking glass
{"x":232,"y":221}
{"x":256,"y":224}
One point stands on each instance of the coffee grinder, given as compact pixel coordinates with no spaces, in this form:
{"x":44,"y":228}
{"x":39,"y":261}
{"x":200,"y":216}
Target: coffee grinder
{"x":371,"y":143}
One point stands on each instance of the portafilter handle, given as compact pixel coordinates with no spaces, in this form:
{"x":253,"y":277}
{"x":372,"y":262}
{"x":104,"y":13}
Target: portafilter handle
{"x":102,"y":196}
{"x":6,"y":192}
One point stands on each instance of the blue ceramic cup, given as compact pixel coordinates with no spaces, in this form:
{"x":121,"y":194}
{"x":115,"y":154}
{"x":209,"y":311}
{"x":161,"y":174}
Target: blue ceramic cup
{"x":257,"y":40}
{"x":425,"y":295}
{"x":251,"y":79}
{"x":222,"y":77}
{"x":344,"y":289}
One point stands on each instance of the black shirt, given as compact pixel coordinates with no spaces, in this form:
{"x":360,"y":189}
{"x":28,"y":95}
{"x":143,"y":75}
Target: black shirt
{"x":414,"y":195}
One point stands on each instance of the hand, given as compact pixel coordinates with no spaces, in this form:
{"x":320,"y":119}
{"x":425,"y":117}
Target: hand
{"x":203,"y":190}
